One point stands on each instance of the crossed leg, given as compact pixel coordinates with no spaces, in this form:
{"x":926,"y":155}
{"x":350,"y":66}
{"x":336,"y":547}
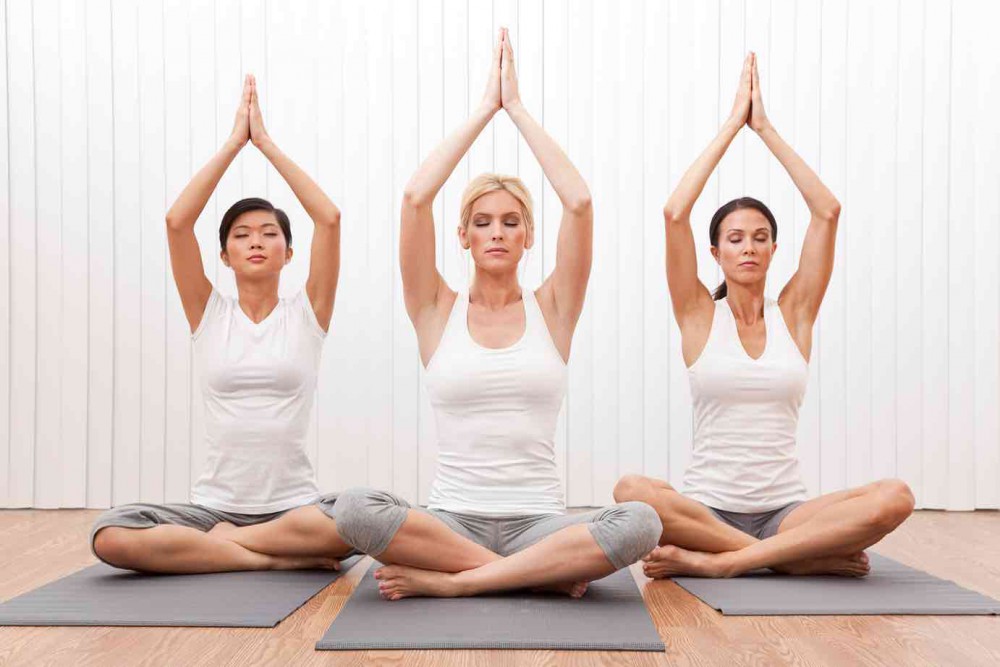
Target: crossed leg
{"x":424,"y":556}
{"x":303,"y":538}
{"x":827,"y":534}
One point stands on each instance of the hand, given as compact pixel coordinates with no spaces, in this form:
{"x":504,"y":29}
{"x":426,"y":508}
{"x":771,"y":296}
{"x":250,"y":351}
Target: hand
{"x":758,"y":119}
{"x":509,"y":95}
{"x":241,"y":126}
{"x":258,"y":133}
{"x":741,"y":106}
{"x":491,"y":98}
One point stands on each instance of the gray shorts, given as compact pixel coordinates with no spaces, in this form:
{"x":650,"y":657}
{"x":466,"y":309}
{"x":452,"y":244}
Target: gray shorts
{"x":368,"y":519}
{"x":145,"y":515}
{"x":761,"y":525}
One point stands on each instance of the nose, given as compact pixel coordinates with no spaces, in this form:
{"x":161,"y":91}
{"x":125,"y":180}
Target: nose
{"x":497,"y":232}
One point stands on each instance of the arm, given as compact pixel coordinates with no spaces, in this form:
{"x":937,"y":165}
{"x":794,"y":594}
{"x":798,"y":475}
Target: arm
{"x":421,"y":281}
{"x":687,"y":294}
{"x":574,"y":248}
{"x":324,"y":260}
{"x":804,"y":292}
{"x":185,"y":256}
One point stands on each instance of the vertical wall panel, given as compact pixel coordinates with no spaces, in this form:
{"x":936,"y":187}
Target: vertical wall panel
{"x":880,"y":235}
{"x":987,"y":275}
{"x":936,"y":242}
{"x":856,"y":236}
{"x":72,"y":469}
{"x":48,"y":237}
{"x":153,"y":249}
{"x":101,"y":248}
{"x":5,"y":263}
{"x":909,"y":196}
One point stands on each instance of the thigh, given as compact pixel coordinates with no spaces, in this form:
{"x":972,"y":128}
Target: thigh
{"x":301,"y":531}
{"x":147,"y":515}
{"x":520,"y":533}
{"x":808,"y":509}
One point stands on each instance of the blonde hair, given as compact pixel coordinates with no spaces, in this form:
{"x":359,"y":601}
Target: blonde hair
{"x":486,"y":183}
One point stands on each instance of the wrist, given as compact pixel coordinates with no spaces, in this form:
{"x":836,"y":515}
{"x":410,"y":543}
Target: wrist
{"x":266,"y":146}
{"x":765,"y":129}
{"x":233,"y":144}
{"x":732,"y":126}
{"x":515,"y":108}
{"x":486,"y":110}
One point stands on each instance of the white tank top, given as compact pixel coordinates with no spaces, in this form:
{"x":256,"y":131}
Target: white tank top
{"x":496,"y":412}
{"x":746,"y":414}
{"x":258,"y":382}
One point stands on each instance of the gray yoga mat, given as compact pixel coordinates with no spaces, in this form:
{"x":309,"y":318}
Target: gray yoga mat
{"x":103,"y":595}
{"x":610,"y":617}
{"x":890,"y":588}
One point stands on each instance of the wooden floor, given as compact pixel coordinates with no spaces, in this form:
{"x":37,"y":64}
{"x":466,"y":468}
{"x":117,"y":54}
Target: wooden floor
{"x":39,"y":546}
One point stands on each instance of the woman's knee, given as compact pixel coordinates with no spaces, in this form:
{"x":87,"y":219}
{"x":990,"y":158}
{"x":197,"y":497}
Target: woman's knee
{"x":115,"y":545}
{"x":368,"y":518}
{"x":632,"y":487}
{"x":633,"y":529}
{"x":894,"y":505}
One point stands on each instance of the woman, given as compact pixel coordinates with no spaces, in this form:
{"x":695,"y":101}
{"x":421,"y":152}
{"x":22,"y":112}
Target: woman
{"x":744,"y":505}
{"x":496,"y":374}
{"x":256,"y":506}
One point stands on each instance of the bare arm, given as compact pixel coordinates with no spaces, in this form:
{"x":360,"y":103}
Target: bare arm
{"x":687,"y":293}
{"x":574,"y":248}
{"x":421,"y":281}
{"x":185,"y":256}
{"x":804,"y":292}
{"x":324,"y":260}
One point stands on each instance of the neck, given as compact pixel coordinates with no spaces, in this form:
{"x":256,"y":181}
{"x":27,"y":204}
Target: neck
{"x":746,"y":301}
{"x":494,"y":291}
{"x":258,"y":297}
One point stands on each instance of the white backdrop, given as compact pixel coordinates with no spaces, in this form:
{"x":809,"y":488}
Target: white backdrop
{"x":109,"y":107}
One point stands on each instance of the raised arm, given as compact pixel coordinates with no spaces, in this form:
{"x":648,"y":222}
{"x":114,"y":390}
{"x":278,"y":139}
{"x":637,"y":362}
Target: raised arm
{"x":422,"y":284}
{"x":687,"y":294}
{"x":185,"y":256}
{"x":324,"y":259}
{"x":804,"y":292}
{"x":574,"y":249}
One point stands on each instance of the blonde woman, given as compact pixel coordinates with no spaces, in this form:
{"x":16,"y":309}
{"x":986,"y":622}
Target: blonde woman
{"x":496,"y":373}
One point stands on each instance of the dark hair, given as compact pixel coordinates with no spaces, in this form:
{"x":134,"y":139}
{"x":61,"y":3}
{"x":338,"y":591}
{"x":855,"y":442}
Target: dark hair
{"x":253,"y":204}
{"x":720,"y":215}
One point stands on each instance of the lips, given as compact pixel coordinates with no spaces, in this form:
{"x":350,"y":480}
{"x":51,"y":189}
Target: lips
{"x":256,"y":258}
{"x":496,"y":251}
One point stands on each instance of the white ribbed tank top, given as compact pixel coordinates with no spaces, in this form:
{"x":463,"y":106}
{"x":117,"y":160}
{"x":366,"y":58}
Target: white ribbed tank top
{"x":746,"y":413}
{"x":496,"y":412}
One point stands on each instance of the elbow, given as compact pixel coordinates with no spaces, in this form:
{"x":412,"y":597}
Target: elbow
{"x":672,"y":214}
{"x":831,"y":214}
{"x":330,"y":218}
{"x":414,"y":198}
{"x":176,"y":223}
{"x":580,"y":205}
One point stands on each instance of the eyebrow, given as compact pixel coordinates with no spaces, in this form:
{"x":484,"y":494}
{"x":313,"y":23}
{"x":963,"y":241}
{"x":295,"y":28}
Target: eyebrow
{"x":266,"y":224}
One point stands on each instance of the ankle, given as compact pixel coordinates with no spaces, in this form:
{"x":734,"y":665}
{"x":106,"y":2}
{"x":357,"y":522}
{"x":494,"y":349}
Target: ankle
{"x":727,"y":565}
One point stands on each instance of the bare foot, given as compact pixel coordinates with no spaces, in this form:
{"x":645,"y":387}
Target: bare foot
{"x":673,"y":561}
{"x":401,"y":581}
{"x":852,"y":565}
{"x":574,"y":589}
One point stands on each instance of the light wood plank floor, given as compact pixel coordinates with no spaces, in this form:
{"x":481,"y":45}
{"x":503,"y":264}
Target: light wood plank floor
{"x":38,"y":546}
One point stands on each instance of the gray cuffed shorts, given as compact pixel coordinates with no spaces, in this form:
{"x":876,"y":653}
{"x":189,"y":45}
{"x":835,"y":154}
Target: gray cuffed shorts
{"x":146,"y":515}
{"x":368,"y":519}
{"x":761,"y":525}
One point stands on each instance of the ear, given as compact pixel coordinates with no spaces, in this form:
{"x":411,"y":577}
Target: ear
{"x":715,"y":254}
{"x":463,"y":237}
{"x":224,"y":256}
{"x":288,"y":254}
{"x":529,"y":238}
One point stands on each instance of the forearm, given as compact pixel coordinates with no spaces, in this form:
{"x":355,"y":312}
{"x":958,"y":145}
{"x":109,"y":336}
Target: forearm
{"x":317,"y":205}
{"x":189,"y":203}
{"x":686,"y":193}
{"x":565,"y":179}
{"x":818,"y":197}
{"x":435,"y":170}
